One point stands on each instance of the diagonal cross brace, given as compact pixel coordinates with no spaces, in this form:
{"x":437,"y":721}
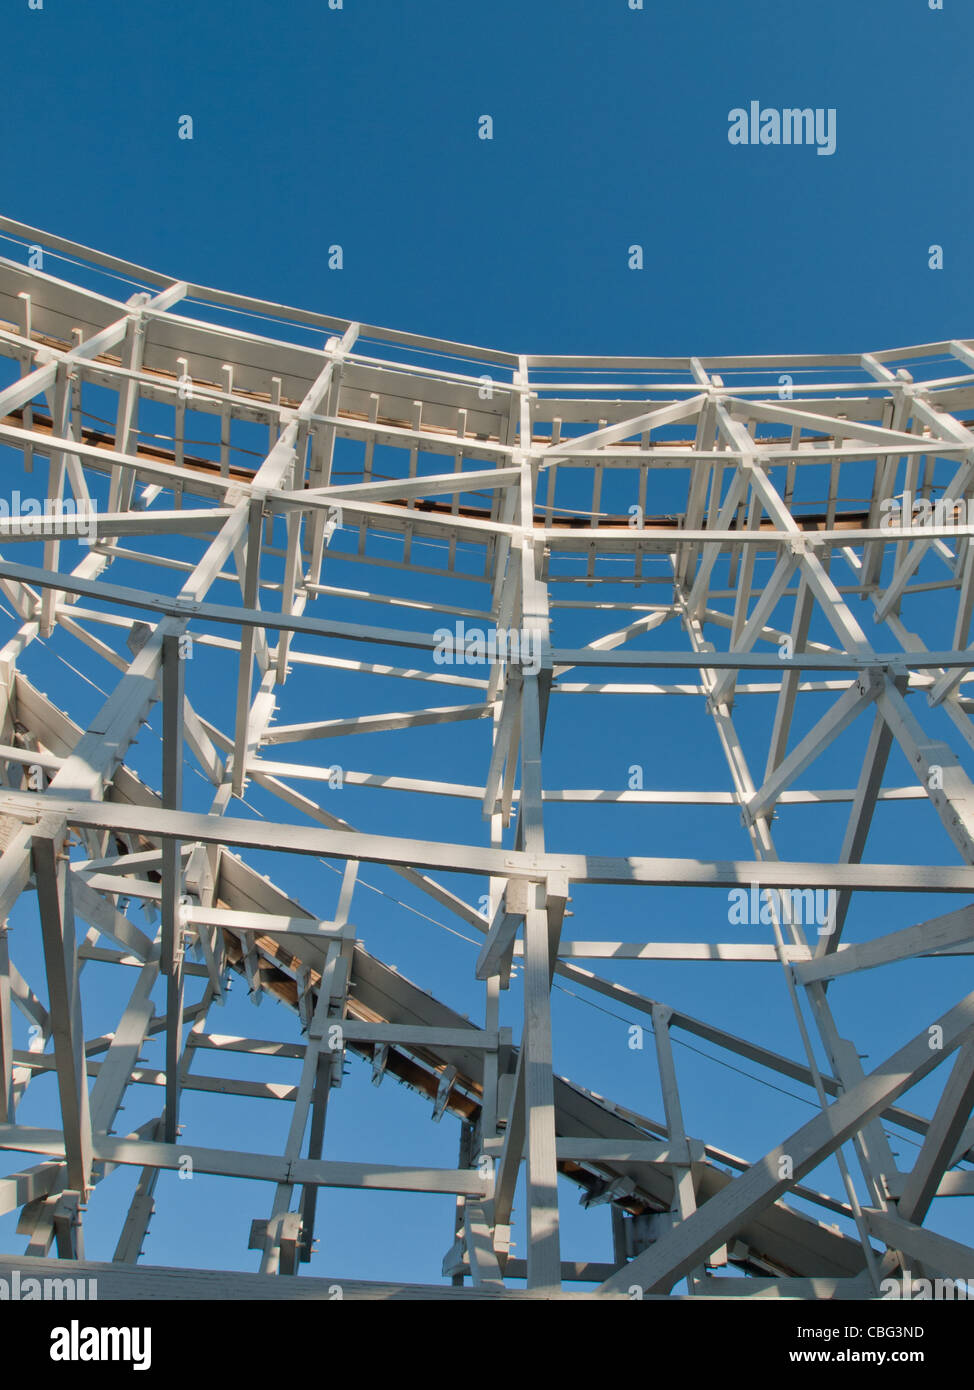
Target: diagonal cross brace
{"x":658,"y":1268}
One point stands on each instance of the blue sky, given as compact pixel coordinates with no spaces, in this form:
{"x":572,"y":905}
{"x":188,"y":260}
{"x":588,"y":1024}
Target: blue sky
{"x":359,"y":127}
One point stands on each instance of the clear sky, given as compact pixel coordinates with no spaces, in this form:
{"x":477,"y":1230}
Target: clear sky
{"x":359,"y":127}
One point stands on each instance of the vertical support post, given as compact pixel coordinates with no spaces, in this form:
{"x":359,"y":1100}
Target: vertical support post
{"x":316,"y":1141}
{"x":283,"y":1240}
{"x":459,"y":1221}
{"x":248,"y":640}
{"x":7,"y":1098}
{"x":544,"y":1250}
{"x":53,"y":881}
{"x":173,"y":681}
{"x":685,"y":1198}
